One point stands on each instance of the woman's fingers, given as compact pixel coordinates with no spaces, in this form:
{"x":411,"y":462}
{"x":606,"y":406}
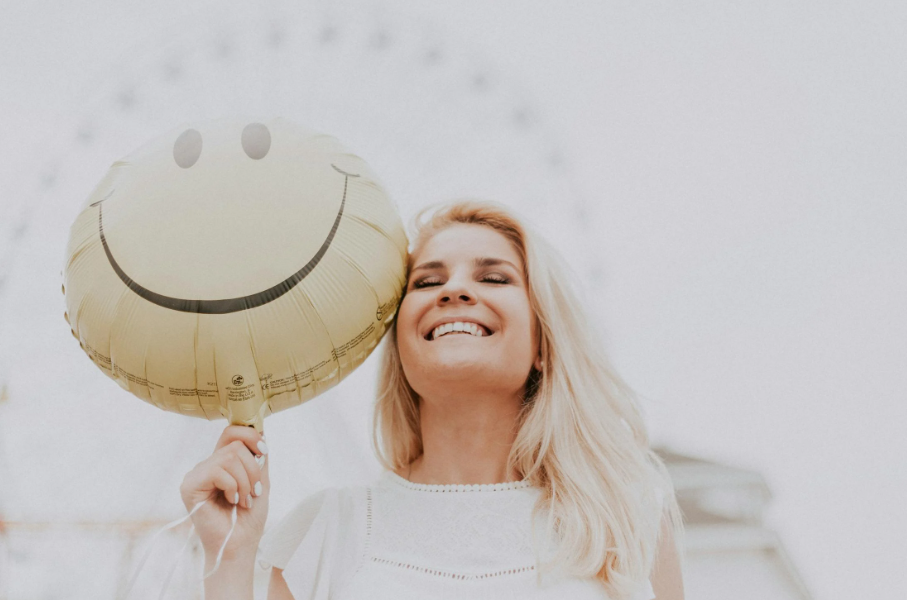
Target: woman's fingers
{"x":253,"y":471}
{"x":232,"y":462}
{"x":224,"y":481}
{"x":247,"y":435}
{"x":233,"y":468}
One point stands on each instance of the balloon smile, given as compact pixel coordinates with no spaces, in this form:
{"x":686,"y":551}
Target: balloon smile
{"x":226,"y":305}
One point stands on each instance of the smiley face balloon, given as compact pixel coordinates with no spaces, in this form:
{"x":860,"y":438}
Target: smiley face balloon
{"x":234,"y":268}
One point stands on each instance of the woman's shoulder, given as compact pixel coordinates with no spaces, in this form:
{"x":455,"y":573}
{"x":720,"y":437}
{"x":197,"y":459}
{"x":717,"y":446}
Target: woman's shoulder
{"x":329,"y":518}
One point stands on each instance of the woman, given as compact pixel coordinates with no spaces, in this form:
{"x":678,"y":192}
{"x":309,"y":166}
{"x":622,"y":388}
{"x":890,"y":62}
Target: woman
{"x":518,"y":464}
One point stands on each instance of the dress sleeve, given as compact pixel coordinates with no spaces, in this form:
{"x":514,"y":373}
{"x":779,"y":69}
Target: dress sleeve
{"x":303,"y":544}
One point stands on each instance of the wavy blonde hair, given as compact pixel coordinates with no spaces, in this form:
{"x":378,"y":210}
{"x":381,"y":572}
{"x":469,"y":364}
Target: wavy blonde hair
{"x":581,"y":436}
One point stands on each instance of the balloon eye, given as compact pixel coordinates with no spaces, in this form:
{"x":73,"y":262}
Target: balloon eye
{"x":187,"y":148}
{"x":256,"y":140}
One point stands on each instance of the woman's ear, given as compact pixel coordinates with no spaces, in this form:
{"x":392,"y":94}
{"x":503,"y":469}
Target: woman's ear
{"x":538,"y":364}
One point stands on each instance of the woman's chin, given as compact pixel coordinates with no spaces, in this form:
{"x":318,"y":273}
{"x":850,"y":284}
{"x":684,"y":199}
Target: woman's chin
{"x":459,"y":365}
{"x":458,"y":361}
{"x":462,"y":376}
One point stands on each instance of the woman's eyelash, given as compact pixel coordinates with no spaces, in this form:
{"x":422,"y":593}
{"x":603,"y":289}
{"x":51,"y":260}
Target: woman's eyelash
{"x":421,"y":283}
{"x":496,"y":278}
{"x":430,"y":281}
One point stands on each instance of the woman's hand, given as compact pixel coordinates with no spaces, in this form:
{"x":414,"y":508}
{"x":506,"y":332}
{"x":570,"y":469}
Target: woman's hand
{"x":230,"y":476}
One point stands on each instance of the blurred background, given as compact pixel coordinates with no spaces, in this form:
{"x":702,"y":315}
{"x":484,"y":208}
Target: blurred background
{"x":728,"y":180}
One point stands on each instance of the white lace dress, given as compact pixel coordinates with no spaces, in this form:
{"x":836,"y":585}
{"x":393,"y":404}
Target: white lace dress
{"x":398,"y":540}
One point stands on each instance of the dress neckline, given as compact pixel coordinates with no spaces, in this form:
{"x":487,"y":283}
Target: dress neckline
{"x":456,"y":487}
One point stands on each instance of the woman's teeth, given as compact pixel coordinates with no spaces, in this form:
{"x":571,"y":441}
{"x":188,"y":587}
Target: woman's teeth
{"x":457,"y":327}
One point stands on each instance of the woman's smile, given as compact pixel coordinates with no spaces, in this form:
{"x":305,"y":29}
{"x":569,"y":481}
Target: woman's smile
{"x":458,"y":327}
{"x":452,"y":325}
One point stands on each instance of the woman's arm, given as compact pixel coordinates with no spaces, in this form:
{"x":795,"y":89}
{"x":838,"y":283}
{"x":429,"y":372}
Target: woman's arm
{"x":277,"y":588}
{"x":667,"y":579}
{"x":231,"y":581}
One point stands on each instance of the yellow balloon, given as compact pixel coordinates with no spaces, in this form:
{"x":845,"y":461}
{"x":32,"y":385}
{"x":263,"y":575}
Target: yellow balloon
{"x":234,"y":268}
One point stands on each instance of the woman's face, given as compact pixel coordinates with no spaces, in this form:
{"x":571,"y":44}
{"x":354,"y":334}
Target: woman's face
{"x":471,"y":275}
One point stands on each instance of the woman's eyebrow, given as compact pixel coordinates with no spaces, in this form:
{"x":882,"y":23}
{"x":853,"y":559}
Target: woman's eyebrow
{"x":432,"y":264}
{"x":487,"y":261}
{"x":482,"y":261}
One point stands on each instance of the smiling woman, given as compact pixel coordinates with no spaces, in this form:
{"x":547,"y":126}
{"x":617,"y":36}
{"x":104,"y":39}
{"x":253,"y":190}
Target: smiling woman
{"x":517,"y":463}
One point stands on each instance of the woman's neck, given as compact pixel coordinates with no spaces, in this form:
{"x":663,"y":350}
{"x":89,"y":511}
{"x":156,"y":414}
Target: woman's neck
{"x":465,"y":440}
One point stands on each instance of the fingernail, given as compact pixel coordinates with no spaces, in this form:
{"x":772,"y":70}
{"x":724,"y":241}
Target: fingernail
{"x":258,"y":488}
{"x":248,"y":501}
{"x":236,"y":498}
{"x":262,"y":447}
{"x":261,"y":461}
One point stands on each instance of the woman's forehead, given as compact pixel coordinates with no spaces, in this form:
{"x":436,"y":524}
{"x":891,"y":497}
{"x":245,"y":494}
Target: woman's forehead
{"x":465,"y":242}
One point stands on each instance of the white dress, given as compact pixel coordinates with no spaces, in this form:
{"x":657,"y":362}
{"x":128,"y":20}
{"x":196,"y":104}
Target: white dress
{"x":398,"y":540}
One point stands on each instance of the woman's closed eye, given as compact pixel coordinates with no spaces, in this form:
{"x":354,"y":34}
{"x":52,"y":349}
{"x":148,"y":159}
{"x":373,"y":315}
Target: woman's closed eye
{"x":495,"y":278}
{"x":426,"y":282}
{"x":433,"y":280}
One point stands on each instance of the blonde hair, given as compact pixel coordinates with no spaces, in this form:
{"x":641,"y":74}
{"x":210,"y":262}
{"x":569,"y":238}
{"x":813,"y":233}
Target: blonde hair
{"x":581,"y":436}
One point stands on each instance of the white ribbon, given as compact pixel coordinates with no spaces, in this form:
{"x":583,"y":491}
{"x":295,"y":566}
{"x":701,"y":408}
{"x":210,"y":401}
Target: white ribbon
{"x":179,"y":557}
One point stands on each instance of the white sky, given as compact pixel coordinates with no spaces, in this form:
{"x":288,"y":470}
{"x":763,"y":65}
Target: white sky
{"x":744,"y":168}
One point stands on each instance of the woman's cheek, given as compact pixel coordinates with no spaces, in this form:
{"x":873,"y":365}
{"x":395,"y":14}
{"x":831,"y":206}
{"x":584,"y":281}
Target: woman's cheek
{"x":407,"y":331}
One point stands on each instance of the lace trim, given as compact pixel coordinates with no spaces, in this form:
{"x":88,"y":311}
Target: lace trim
{"x":449,"y":575}
{"x":458,"y":487}
{"x":368,"y":521}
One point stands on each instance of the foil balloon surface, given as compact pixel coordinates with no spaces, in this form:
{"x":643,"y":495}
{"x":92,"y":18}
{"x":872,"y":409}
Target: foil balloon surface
{"x":234,"y":268}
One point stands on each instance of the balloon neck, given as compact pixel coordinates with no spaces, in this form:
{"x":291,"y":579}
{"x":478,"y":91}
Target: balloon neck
{"x":256,"y":422}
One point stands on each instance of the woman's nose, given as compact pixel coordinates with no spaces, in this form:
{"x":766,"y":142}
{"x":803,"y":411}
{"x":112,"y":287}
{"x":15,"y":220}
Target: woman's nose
{"x":455,"y":292}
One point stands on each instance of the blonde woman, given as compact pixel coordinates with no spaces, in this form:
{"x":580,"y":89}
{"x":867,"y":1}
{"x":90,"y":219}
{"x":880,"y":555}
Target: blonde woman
{"x":517,"y":462}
